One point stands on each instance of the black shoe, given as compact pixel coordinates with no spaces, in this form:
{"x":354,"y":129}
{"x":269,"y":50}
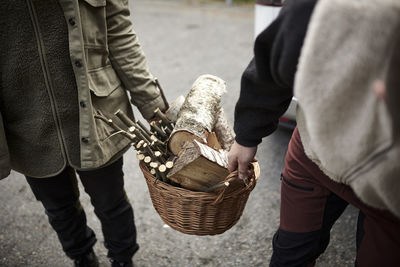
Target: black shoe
{"x":115,"y":263}
{"x":87,"y":260}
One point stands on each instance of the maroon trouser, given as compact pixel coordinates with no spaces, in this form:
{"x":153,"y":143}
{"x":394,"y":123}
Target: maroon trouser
{"x":311,"y":203}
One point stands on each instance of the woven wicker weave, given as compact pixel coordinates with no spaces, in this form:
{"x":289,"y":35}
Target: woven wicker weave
{"x":200,"y":213}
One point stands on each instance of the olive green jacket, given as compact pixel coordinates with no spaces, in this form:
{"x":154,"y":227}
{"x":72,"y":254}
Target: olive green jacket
{"x":108,"y":63}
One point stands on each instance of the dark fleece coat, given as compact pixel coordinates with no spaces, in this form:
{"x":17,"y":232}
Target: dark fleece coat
{"x":40,"y":107}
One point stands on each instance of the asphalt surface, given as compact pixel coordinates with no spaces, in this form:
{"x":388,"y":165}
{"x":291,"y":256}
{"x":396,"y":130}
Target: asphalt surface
{"x":182,"y":40}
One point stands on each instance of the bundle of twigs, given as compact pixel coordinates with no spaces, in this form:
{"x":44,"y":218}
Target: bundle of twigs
{"x":150,"y":142}
{"x":186,"y":148}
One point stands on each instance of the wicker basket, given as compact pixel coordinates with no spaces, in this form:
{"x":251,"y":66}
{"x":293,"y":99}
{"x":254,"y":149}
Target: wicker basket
{"x":200,"y":213}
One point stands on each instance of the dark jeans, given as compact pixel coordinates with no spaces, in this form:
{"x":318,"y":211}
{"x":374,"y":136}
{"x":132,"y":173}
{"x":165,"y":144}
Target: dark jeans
{"x":105,"y":186}
{"x":311,"y":203}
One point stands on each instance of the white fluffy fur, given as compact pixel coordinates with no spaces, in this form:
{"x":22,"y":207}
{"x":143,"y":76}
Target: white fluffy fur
{"x":344,"y":127}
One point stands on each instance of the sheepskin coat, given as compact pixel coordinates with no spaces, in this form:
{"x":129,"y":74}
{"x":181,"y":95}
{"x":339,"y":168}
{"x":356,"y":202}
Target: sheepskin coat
{"x":345,"y":128}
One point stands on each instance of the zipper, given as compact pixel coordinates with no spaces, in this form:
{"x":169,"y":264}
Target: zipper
{"x":296,"y":186}
{"x":46,"y":73}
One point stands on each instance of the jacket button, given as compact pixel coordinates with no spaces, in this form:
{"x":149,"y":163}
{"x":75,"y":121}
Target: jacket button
{"x":85,"y":140}
{"x":72,"y":21}
{"x":82,"y":104}
{"x":78,"y":63}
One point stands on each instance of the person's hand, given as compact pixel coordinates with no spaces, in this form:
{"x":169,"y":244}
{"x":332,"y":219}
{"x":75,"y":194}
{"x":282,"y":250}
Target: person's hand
{"x":240,"y":157}
{"x":154,"y":118}
{"x":157,"y":115}
{"x":379,"y":87}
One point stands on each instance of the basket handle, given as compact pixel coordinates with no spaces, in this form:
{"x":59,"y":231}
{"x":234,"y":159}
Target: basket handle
{"x":234,"y":175}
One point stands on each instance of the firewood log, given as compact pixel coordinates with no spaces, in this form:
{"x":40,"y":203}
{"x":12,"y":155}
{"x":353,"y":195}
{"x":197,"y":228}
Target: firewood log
{"x":199,"y":167}
{"x":213,"y":142}
{"x":223,"y":130}
{"x":174,"y":107}
{"x":197,"y":114}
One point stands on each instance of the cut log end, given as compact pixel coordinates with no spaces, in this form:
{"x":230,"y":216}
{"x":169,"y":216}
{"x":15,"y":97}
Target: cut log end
{"x":169,"y":164}
{"x":162,"y":168}
{"x":153,"y":165}
{"x":178,"y":140}
{"x":147,"y":159}
{"x":217,"y":186}
{"x":199,"y":167}
{"x":140,"y":156}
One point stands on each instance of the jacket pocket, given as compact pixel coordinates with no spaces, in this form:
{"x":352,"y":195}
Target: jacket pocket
{"x":103,"y":81}
{"x":93,"y":22}
{"x":96,"y":3}
{"x":299,"y":187}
